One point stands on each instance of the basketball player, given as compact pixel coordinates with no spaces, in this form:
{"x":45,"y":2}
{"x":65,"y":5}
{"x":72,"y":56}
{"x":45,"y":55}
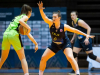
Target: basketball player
{"x":81,"y":41}
{"x":12,"y":37}
{"x":59,"y":40}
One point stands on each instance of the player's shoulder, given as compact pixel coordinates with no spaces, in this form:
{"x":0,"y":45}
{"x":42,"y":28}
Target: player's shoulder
{"x":24,"y":18}
{"x":80,"y":20}
{"x":65,"y":25}
{"x":62,"y":24}
{"x":51,"y":24}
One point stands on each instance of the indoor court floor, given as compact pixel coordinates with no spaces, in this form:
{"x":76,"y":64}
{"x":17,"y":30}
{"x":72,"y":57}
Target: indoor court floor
{"x":48,"y":72}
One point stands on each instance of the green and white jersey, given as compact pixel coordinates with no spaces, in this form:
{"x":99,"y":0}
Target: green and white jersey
{"x":15,"y":23}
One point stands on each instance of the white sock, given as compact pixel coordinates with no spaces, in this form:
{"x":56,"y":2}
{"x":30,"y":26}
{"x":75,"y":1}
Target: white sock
{"x":40,"y":72}
{"x":77,"y":72}
{"x":26,"y":74}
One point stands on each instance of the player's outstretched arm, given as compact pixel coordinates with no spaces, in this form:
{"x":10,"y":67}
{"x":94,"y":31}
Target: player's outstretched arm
{"x":71,"y":29}
{"x":33,"y":40}
{"x":44,"y":17}
{"x":22,"y":22}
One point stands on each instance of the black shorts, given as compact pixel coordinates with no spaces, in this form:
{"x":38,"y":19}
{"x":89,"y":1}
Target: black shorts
{"x":79,"y":43}
{"x":55,"y":47}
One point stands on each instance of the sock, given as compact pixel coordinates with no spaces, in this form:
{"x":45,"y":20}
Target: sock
{"x":77,"y":72}
{"x":26,"y":74}
{"x":40,"y":72}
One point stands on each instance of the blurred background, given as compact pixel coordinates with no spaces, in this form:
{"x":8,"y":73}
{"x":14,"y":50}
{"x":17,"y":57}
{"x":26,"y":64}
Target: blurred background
{"x":88,"y":10}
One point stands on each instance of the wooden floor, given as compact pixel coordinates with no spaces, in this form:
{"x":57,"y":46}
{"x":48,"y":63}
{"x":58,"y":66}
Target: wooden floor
{"x":49,"y":74}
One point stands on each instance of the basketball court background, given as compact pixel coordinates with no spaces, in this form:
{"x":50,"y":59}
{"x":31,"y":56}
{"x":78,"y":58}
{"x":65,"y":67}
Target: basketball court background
{"x":89,"y":11}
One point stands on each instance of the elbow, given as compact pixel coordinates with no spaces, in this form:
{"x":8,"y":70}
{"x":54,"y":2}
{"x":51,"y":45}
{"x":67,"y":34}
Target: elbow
{"x":45,"y":19}
{"x":20,"y":21}
{"x":90,"y":29}
{"x":29,"y":30}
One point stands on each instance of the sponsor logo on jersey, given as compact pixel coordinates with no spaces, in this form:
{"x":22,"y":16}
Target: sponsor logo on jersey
{"x":55,"y":34}
{"x":61,"y":30}
{"x":55,"y":39}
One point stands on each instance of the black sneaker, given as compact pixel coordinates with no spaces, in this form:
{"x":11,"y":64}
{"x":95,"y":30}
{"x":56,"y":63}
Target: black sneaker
{"x":72,"y":72}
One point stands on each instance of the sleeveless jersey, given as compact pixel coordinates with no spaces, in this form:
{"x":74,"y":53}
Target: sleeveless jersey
{"x":58,"y":35}
{"x":15,"y":23}
{"x":79,"y":28}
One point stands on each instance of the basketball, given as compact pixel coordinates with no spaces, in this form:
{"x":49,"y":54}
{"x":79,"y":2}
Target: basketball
{"x":22,"y":30}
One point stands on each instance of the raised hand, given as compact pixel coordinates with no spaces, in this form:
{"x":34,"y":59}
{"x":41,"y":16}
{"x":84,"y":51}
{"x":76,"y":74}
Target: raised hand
{"x":36,"y":47}
{"x":40,"y":4}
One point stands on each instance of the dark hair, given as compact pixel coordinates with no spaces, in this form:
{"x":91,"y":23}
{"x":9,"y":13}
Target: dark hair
{"x":75,"y":12}
{"x":59,"y":14}
{"x":25,"y":8}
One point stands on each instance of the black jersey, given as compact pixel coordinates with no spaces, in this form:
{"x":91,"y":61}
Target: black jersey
{"x":79,"y":27}
{"x":58,"y":35}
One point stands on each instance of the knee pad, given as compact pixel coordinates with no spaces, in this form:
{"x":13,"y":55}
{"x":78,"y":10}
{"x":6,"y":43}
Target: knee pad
{"x":75,"y":54}
{"x":92,"y":56}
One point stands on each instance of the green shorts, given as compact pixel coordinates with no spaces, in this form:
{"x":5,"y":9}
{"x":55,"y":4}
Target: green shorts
{"x":13,"y":38}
